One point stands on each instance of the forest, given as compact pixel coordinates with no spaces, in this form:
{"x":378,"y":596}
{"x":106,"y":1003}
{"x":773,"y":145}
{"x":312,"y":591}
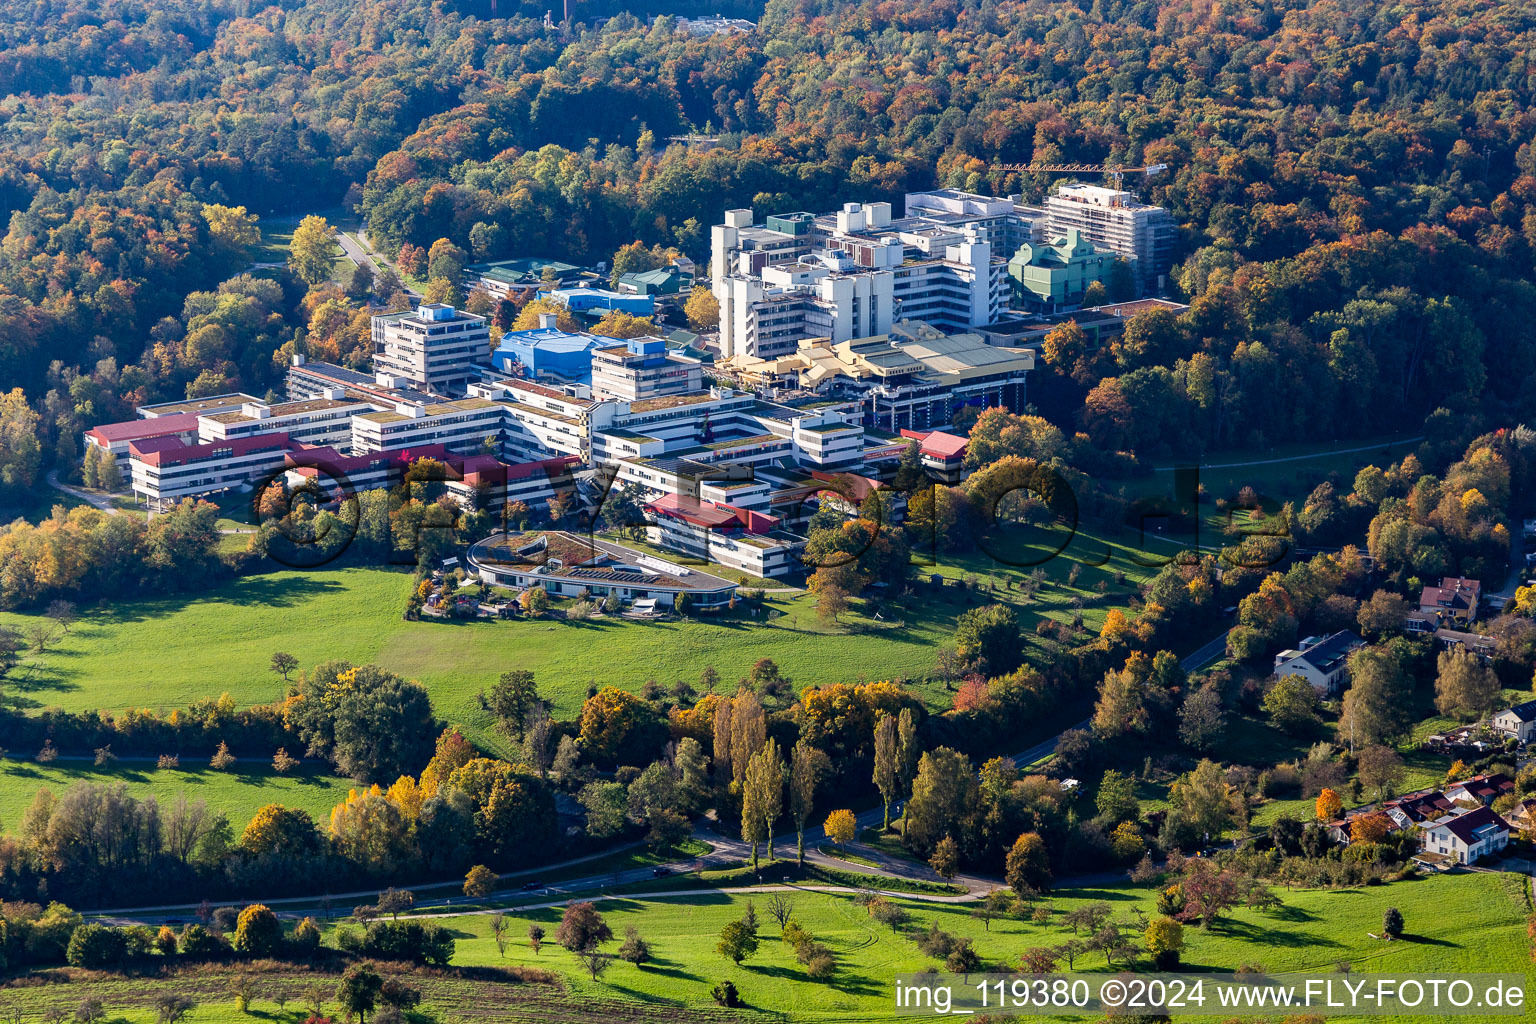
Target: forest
{"x":1354,"y":184}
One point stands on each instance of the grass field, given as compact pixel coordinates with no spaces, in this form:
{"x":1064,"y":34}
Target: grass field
{"x":1286,"y":472}
{"x":277,"y":237}
{"x":166,"y":652}
{"x":238,"y":793}
{"x":1454,"y":923}
{"x":35,"y":504}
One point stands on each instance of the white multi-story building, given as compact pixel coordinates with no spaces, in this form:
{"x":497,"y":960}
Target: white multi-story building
{"x":1141,"y":234}
{"x":539,"y":420}
{"x":434,"y":347}
{"x":724,"y":534}
{"x":642,"y":368}
{"x":165,"y":469}
{"x":462,"y":426}
{"x":322,"y":421}
{"x":855,"y":273}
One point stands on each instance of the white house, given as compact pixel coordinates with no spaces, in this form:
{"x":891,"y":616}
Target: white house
{"x":1467,"y":837}
{"x":1518,"y":721}
{"x":1321,"y":661}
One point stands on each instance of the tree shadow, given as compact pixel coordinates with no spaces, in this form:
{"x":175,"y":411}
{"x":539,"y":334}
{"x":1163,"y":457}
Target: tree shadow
{"x":1425,"y":940}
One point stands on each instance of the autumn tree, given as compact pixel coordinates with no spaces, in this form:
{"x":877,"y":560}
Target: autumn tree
{"x":887,"y":776}
{"x":618,"y":324}
{"x":1027,"y":867}
{"x":702,"y":309}
{"x":1376,"y":705}
{"x":312,"y":250}
{"x":808,"y":765}
{"x":1464,"y":685}
{"x":841,"y":827}
{"x":582,"y":928}
{"x":528,"y":316}
{"x":479,"y":882}
{"x":762,"y":797}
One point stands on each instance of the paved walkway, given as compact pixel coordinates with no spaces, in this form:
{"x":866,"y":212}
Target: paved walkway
{"x":95,"y":500}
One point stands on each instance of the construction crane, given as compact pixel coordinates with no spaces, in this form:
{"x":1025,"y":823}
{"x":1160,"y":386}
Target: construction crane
{"x":1115,"y":171}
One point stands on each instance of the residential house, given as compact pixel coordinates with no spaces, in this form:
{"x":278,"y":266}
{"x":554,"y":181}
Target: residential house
{"x":1484,"y":647}
{"x":1482,"y":789}
{"x":1417,"y":808}
{"x":1321,"y":661}
{"x":1453,"y":602}
{"x":1518,"y":721}
{"x":1522,"y":816}
{"x":1467,"y":837}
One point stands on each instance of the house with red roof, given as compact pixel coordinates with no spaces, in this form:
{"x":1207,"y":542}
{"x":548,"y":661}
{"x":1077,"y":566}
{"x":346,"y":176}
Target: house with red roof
{"x":943,"y":454}
{"x":742,"y":539}
{"x":114,"y":438}
{"x":1467,"y":837}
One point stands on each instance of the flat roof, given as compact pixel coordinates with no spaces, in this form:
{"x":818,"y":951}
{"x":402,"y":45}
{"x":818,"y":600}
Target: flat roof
{"x":588,"y":561}
{"x":209,"y":403}
{"x":159,"y":426}
{"x":287,"y":409}
{"x":547,"y":339}
{"x":440,"y":409}
{"x":670,"y":401}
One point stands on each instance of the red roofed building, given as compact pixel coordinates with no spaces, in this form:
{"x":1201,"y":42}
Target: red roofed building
{"x":166,"y":469}
{"x":1453,"y":602}
{"x":476,"y":480}
{"x":943,"y":454}
{"x":713,"y":531}
{"x":1467,"y":837}
{"x":114,"y":438}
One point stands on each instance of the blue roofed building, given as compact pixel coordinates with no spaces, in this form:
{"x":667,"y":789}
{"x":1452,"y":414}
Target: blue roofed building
{"x":601,"y":300}
{"x":547,"y":352}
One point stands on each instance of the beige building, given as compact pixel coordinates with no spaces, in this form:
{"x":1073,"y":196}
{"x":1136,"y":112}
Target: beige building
{"x":434,"y":347}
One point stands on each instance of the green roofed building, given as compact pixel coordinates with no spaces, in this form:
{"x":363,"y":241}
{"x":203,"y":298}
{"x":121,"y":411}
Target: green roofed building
{"x":1053,"y":276}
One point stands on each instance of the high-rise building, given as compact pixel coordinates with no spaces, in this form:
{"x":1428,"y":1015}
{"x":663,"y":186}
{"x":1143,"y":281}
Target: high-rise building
{"x":1144,"y":235}
{"x":857,"y":272}
{"x":434,"y":347}
{"x":641,"y":368}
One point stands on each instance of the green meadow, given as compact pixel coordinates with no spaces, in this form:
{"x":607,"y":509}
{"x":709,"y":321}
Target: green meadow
{"x":239,"y":792}
{"x":166,"y":652}
{"x":1454,"y":924}
{"x":1461,"y":923}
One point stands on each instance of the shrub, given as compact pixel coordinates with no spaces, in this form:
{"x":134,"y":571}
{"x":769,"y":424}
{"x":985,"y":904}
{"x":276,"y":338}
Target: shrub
{"x":935,"y":943}
{"x":199,"y":941}
{"x":726,"y":995}
{"x":886,"y":912}
{"x":306,"y":937}
{"x":635,"y":949}
{"x":258,"y":932}
{"x":794,"y":935}
{"x":422,"y":942}
{"x":398,"y":994}
{"x":96,"y":947}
